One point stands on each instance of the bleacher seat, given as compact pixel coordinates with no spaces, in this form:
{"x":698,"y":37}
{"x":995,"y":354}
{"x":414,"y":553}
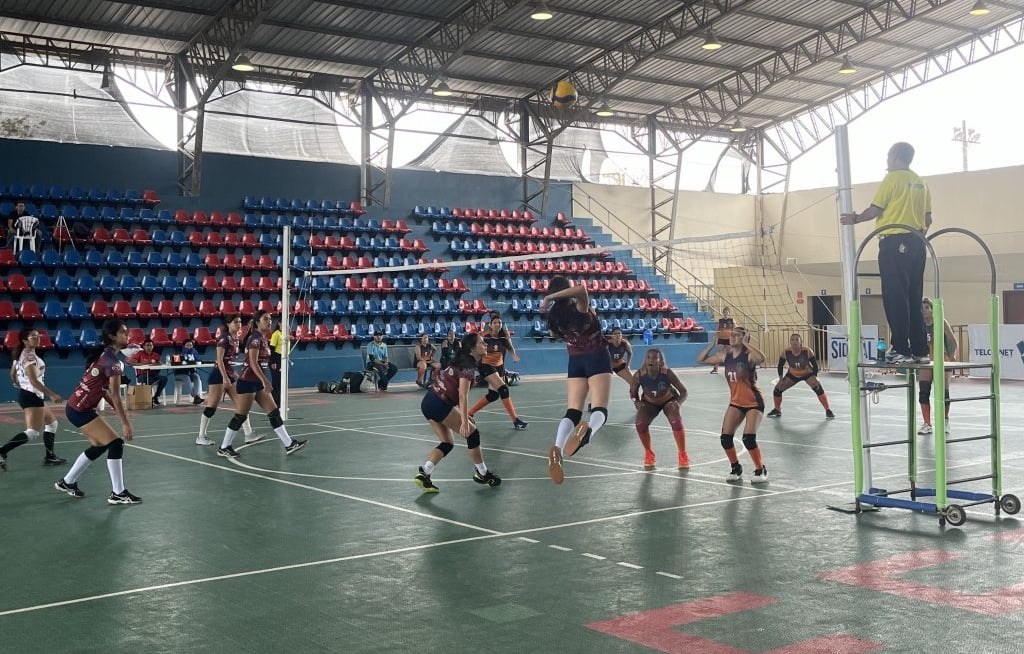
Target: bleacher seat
{"x":89,"y":338}
{"x":77,"y":311}
{"x":203,"y":337}
{"x":160,"y":337}
{"x":53,"y":310}
{"x":187,"y":309}
{"x":40,"y":284}
{"x":136,"y":336}
{"x":144,"y":310}
{"x":123,"y":309}
{"x":64,"y":284}
{"x":64,"y":339}
{"x":29,"y":310}
{"x":100,"y":310}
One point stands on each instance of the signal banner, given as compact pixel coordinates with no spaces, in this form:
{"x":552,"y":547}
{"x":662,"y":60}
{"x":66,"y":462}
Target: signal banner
{"x":839,"y":347}
{"x":1011,"y":351}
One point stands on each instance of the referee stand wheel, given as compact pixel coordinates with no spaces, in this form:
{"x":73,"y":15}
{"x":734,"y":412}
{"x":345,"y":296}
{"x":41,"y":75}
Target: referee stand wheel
{"x":1010,"y":504}
{"x":955,"y":515}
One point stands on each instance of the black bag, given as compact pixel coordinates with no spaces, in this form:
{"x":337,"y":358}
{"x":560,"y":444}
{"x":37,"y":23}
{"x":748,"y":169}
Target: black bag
{"x":329,"y":387}
{"x":351,"y":382}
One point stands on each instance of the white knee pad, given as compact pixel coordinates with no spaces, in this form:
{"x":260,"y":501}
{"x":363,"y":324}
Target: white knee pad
{"x":51,"y":427}
{"x":31,"y":434}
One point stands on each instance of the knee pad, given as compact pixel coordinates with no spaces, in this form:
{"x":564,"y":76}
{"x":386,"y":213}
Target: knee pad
{"x":31,"y":434}
{"x":750,"y":441}
{"x":575,"y":415}
{"x":473,"y":440}
{"x":727,"y":440}
{"x":445,"y":448}
{"x":818,"y":390}
{"x":209,"y":411}
{"x":924,"y":395}
{"x":275,"y":418}
{"x":601,"y":410}
{"x":676,"y":424}
{"x":116,"y":449}
{"x":776,"y":392}
{"x":503,"y":391}
{"x":51,"y":427}
{"x":236,"y":422}
{"x":643,"y":428}
{"x":94,"y":452}
{"x":492,"y":395}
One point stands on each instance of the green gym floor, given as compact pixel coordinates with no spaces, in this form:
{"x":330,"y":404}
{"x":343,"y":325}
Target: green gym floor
{"x":334,"y":549}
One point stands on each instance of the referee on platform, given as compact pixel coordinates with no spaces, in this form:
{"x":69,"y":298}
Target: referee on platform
{"x":902,"y":199}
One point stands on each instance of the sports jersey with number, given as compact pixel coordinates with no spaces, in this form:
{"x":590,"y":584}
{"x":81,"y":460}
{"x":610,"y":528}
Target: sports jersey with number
{"x":801,"y":364}
{"x":259,"y":343}
{"x":446,"y":384}
{"x":96,"y":380}
{"x":229,"y":343}
{"x":742,"y":380}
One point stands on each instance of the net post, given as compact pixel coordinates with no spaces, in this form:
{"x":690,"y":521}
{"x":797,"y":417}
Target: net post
{"x":286,"y":332}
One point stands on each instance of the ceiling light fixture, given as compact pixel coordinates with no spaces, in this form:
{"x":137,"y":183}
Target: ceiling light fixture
{"x":846,"y":68}
{"x":604,"y":111}
{"x":979,"y":9}
{"x":242,"y":64}
{"x":442,"y":89}
{"x":541,"y":12}
{"x":711,"y":43}
{"x":737,"y":127}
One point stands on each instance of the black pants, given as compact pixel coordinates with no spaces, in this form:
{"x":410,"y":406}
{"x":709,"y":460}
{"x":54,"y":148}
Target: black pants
{"x":386,"y":372}
{"x":901,"y":260}
{"x":275,"y":377}
{"x":151,"y":377}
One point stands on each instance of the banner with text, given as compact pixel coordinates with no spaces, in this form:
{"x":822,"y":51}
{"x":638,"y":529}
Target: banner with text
{"x":1011,"y":350}
{"x":839,"y":348}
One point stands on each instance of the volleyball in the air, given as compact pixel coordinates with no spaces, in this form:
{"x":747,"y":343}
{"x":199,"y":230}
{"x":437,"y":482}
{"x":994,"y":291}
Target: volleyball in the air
{"x":563,"y":96}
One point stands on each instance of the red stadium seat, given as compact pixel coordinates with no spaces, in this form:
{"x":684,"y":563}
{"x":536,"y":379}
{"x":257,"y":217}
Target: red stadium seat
{"x":232,"y":240}
{"x":101,"y":236}
{"x":323,"y":334}
{"x":166,"y":309}
{"x":210,"y":285}
{"x":214,"y":240}
{"x":187,"y":309}
{"x":341,"y":333}
{"x":44,"y":340}
{"x":230,"y":262}
{"x":207,"y":310}
{"x":303,"y":335}
{"x":246,"y":308}
{"x":212,"y":262}
{"x":100,"y":310}
{"x":144,"y":310}
{"x":227,"y":308}
{"x":160,"y":337}
{"x":200,"y":218}
{"x":203,"y":337}
{"x":217,"y":219}
{"x":123,"y":310}
{"x":179,"y":335}
{"x":29,"y":310}
{"x":266,"y":262}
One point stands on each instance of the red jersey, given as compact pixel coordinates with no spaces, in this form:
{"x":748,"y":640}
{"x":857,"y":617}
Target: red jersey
{"x":229,"y":344}
{"x":143,"y":358}
{"x":446,"y":384}
{"x":586,"y":339}
{"x":258,"y":342}
{"x":742,"y":379}
{"x":95,"y":381}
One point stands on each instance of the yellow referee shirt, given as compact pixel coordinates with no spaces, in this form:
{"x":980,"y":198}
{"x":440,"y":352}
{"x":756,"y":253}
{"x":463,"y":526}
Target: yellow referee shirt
{"x":904,"y":200}
{"x":277,"y":342}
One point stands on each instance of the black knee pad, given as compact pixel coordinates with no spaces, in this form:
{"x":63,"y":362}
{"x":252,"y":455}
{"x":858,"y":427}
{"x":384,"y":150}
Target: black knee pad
{"x":236,"y":422}
{"x":445,"y":448}
{"x":924,"y":394}
{"x":575,"y":415}
{"x":727,"y":440}
{"x":776,"y":392}
{"x":492,"y":395}
{"x":818,"y":390}
{"x":473,"y":440}
{"x":95,"y":451}
{"x":209,"y":411}
{"x":600,"y":409}
{"x":750,"y":441}
{"x":116,"y":449}
{"x":947,"y":396}
{"x":275,"y":418}
{"x":503,"y":391}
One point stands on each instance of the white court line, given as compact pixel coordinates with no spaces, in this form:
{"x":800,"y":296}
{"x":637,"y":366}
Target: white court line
{"x":668,"y":574}
{"x":560,"y":548}
{"x":632,"y":566}
{"x":596,"y":557}
{"x":318,"y":490}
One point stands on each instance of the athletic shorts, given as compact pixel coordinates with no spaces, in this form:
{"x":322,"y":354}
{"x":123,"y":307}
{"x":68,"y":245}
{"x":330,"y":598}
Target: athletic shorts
{"x":790,"y":376}
{"x":486,"y":370}
{"x":215,"y":377}
{"x":243,"y":386}
{"x":434,"y":408}
{"x":746,"y":409}
{"x":592,"y":363}
{"x":28,"y":399}
{"x":80,"y":418}
{"x":619,"y":368}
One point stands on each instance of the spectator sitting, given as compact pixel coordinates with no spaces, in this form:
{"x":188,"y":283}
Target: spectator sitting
{"x":21,"y":224}
{"x":147,"y":357}
{"x":377,"y":358}
{"x":188,"y":377}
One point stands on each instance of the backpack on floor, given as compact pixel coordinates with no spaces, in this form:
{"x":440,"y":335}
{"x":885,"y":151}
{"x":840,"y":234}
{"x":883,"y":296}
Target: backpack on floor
{"x":353,"y":382}
{"x":329,"y":387}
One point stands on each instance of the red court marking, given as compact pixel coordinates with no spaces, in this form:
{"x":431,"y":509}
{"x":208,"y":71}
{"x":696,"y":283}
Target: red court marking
{"x":10,"y":420}
{"x":655,"y":629}
{"x":1015,"y":536}
{"x":880,"y":576}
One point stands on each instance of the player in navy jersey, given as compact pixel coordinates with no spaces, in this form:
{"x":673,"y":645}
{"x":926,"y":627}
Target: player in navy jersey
{"x":222,"y":380}
{"x":102,"y":381}
{"x":590,"y":369}
{"x":655,"y":388}
{"x":621,"y":353}
{"x":29,"y":379}
{"x":445,"y":406}
{"x":253,"y":385}
{"x":746,"y":401}
{"x":802,"y":366}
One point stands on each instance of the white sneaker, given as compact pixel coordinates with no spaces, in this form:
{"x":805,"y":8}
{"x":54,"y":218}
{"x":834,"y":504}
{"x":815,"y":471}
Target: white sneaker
{"x":203,"y":440}
{"x":253,"y":438}
{"x":947,"y":427}
{"x":925,"y":429}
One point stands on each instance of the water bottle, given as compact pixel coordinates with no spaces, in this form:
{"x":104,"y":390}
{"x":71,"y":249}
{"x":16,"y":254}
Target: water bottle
{"x":880,"y":349}
{"x":648,"y":336}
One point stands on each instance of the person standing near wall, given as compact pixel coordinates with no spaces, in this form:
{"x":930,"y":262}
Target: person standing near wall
{"x":902,"y":199}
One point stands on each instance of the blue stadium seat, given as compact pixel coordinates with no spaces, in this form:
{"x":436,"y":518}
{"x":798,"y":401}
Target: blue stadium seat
{"x":28,"y":259}
{"x":439,"y":330}
{"x":251,"y":220}
{"x":69,"y":211}
{"x":174,"y":261}
{"x":17,"y":191}
{"x":628,"y":304}
{"x":133,"y":197}
{"x":115,"y":260}
{"x":193,"y":261}
{"x":77,"y":310}
{"x":108,"y":214}
{"x":374,"y":308}
{"x":129,"y":284}
{"x":191,"y":285}
{"x":300,"y":242}
{"x":150,"y":284}
{"x":94,"y":260}
{"x":65,"y":340}
{"x":88,"y":213}
{"x":89,"y":338}
{"x":160,"y":238}
{"x":63,"y":284}
{"x":76,"y":194}
{"x":126,"y":214}
{"x":419,"y":210}
{"x":135,"y":260}
{"x":86,"y":284}
{"x":48,"y":212}
{"x":177,"y":238}
{"x":539,"y":329}
{"x":71,"y":259}
{"x":331,"y":223}
{"x":40,"y":284}
{"x":154,"y":261}
{"x":53,"y":310}
{"x":300,"y":222}
{"x":147,"y":216}
{"x":164,"y":216}
{"x":115,"y":195}
{"x":57,"y":193}
{"x":270,"y":241}
{"x":268,"y":221}
{"x":251,"y":202}
{"x":316,"y":223}
{"x":404,"y":308}
{"x":300,"y":262}
{"x":401,"y":285}
{"x":322,"y":308}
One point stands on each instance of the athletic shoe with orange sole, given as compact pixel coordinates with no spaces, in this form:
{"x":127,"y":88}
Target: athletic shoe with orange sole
{"x":649,"y":460}
{"x":683,"y":461}
{"x":580,"y":437}
{"x":555,"y":470}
